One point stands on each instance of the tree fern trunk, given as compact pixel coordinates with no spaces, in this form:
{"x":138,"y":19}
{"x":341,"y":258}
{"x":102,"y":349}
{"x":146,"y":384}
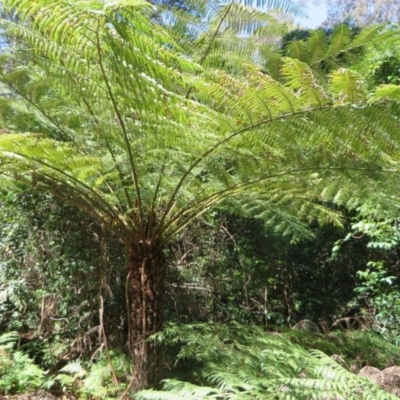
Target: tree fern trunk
{"x":146,"y":277}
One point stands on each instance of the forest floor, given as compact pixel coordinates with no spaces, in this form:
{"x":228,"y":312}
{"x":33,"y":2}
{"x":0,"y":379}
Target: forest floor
{"x":40,"y":395}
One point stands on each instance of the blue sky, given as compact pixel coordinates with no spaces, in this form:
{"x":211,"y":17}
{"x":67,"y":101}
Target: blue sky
{"x":316,"y":15}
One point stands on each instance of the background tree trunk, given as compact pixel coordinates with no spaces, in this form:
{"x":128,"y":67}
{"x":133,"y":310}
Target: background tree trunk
{"x":146,"y":278}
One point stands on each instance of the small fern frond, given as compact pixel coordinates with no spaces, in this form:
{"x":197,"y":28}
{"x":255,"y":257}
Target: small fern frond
{"x":386,"y":92}
{"x":8,"y":340}
{"x":74,"y":368}
{"x":348,"y":86}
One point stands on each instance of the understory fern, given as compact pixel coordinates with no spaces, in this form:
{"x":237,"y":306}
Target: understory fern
{"x":18,"y":372}
{"x":97,"y":380}
{"x":244,"y":362}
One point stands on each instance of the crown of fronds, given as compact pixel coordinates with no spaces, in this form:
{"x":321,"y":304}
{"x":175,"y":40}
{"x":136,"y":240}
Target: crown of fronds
{"x":128,"y":127}
{"x":245,"y":362}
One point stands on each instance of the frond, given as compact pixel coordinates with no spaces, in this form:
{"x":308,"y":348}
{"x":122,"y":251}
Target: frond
{"x":348,"y":86}
{"x":300,"y":78}
{"x":74,"y":368}
{"x":339,"y":40}
{"x":227,"y":33}
{"x":8,"y":340}
{"x":297,"y":49}
{"x":386,"y":92}
{"x":248,"y":363}
{"x":317,"y":46}
{"x":245,"y":20}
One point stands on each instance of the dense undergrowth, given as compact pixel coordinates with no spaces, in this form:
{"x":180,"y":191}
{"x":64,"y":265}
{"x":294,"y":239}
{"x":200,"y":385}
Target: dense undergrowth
{"x":59,"y":306}
{"x":101,"y":378}
{"x":240,"y":362}
{"x":219,"y":361}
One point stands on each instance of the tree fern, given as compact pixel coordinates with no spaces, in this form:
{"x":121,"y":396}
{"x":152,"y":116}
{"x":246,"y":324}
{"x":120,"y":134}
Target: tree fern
{"x":121,"y":120}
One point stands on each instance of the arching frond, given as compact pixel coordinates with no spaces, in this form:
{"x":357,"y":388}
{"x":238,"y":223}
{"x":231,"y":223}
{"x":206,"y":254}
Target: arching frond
{"x":239,"y":362}
{"x":226,"y":33}
{"x":317,"y":46}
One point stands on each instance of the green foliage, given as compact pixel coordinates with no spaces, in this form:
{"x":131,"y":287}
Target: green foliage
{"x":53,"y":271}
{"x":377,"y":291}
{"x":381,"y":295}
{"x":326,"y":51}
{"x":233,"y":268}
{"x":94,"y":379}
{"x":361,"y":347}
{"x":235,"y":119}
{"x":69,"y":375}
{"x":384,"y":67}
{"x":381,"y":64}
{"x":357,"y":347}
{"x":230,"y":34}
{"x":116,"y":114}
{"x":245,"y":362}
{"x":18,"y":373}
{"x":310,"y":340}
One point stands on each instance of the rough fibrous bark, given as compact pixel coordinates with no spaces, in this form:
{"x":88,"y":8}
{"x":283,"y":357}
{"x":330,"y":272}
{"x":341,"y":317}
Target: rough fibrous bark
{"x":146,"y":278}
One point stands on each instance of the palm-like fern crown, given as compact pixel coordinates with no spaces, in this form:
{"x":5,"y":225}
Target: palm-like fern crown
{"x":131,"y":124}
